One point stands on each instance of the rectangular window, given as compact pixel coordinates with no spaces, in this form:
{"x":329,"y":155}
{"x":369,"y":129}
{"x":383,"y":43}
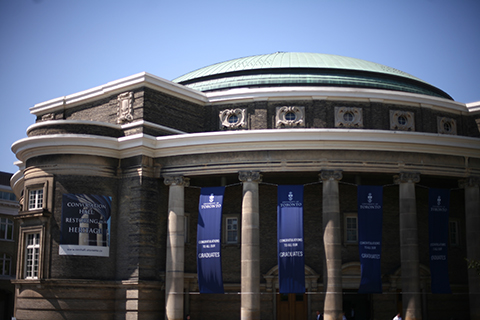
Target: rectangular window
{"x":35,"y":199}
{"x":32,"y":257}
{"x":232,"y":230}
{"x":6,"y":229}
{"x":351,"y":229}
{"x":7,"y":196}
{"x":186,"y":220}
{"x":5,"y":264}
{"x":453,"y":232}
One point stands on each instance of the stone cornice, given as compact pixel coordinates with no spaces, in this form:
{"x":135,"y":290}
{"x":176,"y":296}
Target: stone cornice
{"x":336,"y":93}
{"x":138,"y":80}
{"x":129,"y":125}
{"x":474,"y":106}
{"x":254,"y":140}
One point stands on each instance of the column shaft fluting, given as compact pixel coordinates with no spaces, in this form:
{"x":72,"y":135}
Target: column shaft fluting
{"x":174,"y":271}
{"x":250,"y":252}
{"x":332,"y":243}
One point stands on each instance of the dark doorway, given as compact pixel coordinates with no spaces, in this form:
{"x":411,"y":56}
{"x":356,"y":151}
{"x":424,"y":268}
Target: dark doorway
{"x":356,"y":306}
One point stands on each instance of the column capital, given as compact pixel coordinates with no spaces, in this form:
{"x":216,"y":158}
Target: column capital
{"x":176,"y":181}
{"x":469,"y":182}
{"x":249,"y":176}
{"x":331,"y":175}
{"x":404,"y":177}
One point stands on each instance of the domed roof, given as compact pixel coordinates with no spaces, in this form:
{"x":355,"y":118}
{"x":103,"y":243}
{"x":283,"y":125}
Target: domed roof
{"x":300,"y":69}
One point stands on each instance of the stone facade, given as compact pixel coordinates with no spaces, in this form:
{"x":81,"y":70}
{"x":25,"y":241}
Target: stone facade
{"x":167,"y":131}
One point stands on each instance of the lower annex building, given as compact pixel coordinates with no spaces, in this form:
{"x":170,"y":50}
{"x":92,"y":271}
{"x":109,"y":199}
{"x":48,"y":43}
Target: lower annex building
{"x":110,"y":180}
{"x":8,"y":245}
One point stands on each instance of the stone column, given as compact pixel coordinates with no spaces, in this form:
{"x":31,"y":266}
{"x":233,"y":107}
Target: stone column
{"x":332,"y":241}
{"x":410,"y":265}
{"x":250,"y":256}
{"x":472,"y":222}
{"x":174,"y":271}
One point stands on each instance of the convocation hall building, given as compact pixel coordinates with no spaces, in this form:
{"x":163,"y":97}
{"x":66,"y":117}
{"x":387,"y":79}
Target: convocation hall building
{"x":109,"y":182}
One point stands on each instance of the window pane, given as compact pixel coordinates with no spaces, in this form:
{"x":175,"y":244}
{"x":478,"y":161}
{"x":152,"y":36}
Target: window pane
{"x":35,"y":199}
{"x":10,"y":232}
{"x":453,"y":232}
{"x":351,"y":229}
{"x":3,"y":230}
{"x":232,"y":230}
{"x":8,"y":265}
{"x":29,"y":239}
{"x":32,"y":256}
{"x":5,"y":264}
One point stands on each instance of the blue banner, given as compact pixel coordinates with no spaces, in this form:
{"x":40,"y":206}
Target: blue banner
{"x":438,"y":209}
{"x":291,"y":263}
{"x":370,"y":216}
{"x":209,"y":228}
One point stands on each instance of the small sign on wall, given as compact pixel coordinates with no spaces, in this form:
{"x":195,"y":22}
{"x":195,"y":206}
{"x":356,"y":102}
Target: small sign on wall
{"x":85,"y":229}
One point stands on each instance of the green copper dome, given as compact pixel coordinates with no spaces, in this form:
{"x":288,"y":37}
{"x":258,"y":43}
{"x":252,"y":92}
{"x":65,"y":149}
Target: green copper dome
{"x":304,"y":69}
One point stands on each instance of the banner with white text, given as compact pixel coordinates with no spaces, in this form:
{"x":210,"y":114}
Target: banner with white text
{"x":209,"y":228}
{"x":370,"y":219}
{"x":439,"y":206}
{"x":291,"y":261}
{"x":85,"y":227}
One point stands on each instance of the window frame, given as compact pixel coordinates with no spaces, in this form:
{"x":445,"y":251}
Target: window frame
{"x":453,"y":242}
{"x":23,"y":251}
{"x":346,"y":228}
{"x":10,"y":195}
{"x":226,"y":218}
{"x":34,"y":248}
{"x":186,"y":225}
{"x":38,"y":202}
{"x":4,"y":257}
{"x":8,"y":223}
{"x":46,"y":184}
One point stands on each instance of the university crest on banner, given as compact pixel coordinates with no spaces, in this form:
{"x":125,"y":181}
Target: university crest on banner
{"x":291,"y":264}
{"x":209,"y":229}
{"x":439,"y":205}
{"x":370,"y":218}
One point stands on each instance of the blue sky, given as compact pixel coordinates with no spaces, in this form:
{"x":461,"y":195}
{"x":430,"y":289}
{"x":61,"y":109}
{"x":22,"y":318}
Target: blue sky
{"x":53,"y":48}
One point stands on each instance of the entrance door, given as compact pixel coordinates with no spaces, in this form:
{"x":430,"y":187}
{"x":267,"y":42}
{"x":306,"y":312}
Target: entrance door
{"x":355,"y":305}
{"x":291,"y":306}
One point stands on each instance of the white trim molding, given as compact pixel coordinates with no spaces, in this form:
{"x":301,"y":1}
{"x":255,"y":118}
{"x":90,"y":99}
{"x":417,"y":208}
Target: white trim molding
{"x":119,"y":86}
{"x":250,"y":140}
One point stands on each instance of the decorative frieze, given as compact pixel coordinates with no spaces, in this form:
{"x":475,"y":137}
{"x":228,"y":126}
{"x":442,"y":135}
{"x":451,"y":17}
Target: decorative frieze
{"x":233,"y":119}
{"x":348,"y":117}
{"x":290,"y":117}
{"x":402,"y":120}
{"x":52,"y":116}
{"x":446,"y":126}
{"x":125,"y":107}
{"x":48,"y":116}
